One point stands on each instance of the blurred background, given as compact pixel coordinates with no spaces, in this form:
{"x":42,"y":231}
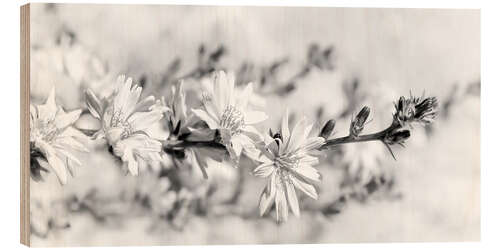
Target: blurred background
{"x":323,"y":63}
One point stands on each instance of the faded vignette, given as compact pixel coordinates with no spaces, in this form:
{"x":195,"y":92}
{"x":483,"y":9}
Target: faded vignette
{"x":322,"y":63}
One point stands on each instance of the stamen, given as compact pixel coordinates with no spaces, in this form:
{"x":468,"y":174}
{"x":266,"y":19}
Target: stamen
{"x":287,"y":162}
{"x":119,"y":121}
{"x":47,"y":130}
{"x":233,"y":120}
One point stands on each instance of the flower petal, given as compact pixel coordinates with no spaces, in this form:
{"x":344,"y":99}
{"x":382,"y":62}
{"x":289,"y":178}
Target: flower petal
{"x":67,"y":142}
{"x":132,"y":100}
{"x":113,"y":135}
{"x":145,"y":104}
{"x":55,"y":163}
{"x":47,"y":111}
{"x":245,"y":96}
{"x":122,"y":92}
{"x":72,"y":132}
{"x":298,"y":135}
{"x":237,"y":145}
{"x":93,"y":104}
{"x":253,"y":133}
{"x":132,"y":165}
{"x":141,"y":143}
{"x":292,"y":198}
{"x":253,"y":117}
{"x":308,"y":189}
{"x":64,"y":120}
{"x":33,"y":116}
{"x":230,"y":99}
{"x":285,"y":131}
{"x":207,"y":86}
{"x":264,"y":170}
{"x":312,"y":143}
{"x":248,"y":145}
{"x":143,"y":120}
{"x":309,"y":160}
{"x":211,"y":108}
{"x":221,"y":90}
{"x":69,"y":156}
{"x":275,"y":147}
{"x":281,"y":204}
{"x":203,"y":115}
{"x":308,"y":172}
{"x":267,"y":197}
{"x":59,"y":168}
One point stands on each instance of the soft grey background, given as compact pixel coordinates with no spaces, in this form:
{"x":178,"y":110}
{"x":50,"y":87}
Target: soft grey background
{"x":392,"y":51}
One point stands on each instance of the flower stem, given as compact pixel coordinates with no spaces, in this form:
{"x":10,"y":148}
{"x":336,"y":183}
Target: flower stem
{"x":378,"y":136}
{"x":187,"y":144}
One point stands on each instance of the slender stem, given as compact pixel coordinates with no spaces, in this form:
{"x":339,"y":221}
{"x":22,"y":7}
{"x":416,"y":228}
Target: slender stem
{"x":199,"y":144}
{"x":362,"y":138}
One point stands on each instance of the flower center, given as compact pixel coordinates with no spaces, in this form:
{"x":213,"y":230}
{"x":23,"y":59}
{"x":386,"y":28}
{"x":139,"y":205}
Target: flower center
{"x":119,"y":121}
{"x":47,"y":131}
{"x":409,"y":112}
{"x":232,"y":119}
{"x":284,"y":162}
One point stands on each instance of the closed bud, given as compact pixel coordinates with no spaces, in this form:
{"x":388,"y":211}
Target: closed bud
{"x":358,"y":124}
{"x":327,"y":129}
{"x":405,"y":110}
{"x":397,"y":137}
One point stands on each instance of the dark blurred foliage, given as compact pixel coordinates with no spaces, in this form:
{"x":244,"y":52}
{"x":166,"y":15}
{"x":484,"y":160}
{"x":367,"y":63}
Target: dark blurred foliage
{"x":456,"y":95}
{"x":267,"y":77}
{"x":378,"y":188}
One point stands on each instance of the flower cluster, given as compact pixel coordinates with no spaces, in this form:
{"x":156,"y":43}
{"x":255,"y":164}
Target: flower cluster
{"x":221,"y":128}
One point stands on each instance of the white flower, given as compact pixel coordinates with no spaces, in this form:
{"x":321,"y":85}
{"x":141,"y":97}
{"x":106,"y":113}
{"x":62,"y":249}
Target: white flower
{"x":288,"y":161}
{"x":125,"y":121}
{"x":68,"y":62}
{"x":230,"y":114}
{"x":52,"y":135}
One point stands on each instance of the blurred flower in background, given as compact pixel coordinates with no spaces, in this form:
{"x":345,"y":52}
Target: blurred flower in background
{"x":68,"y":65}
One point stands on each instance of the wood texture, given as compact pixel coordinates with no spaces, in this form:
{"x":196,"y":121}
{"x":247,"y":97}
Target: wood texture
{"x":25,"y":127}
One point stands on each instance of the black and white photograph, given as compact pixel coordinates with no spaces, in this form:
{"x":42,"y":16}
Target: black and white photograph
{"x":159,"y":125}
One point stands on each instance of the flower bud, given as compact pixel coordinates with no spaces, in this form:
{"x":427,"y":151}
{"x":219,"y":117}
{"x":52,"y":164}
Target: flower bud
{"x":397,"y":137}
{"x":426,"y":110}
{"x":405,"y":110}
{"x":327,"y":129}
{"x":358,"y":124}
{"x":412,"y":109}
